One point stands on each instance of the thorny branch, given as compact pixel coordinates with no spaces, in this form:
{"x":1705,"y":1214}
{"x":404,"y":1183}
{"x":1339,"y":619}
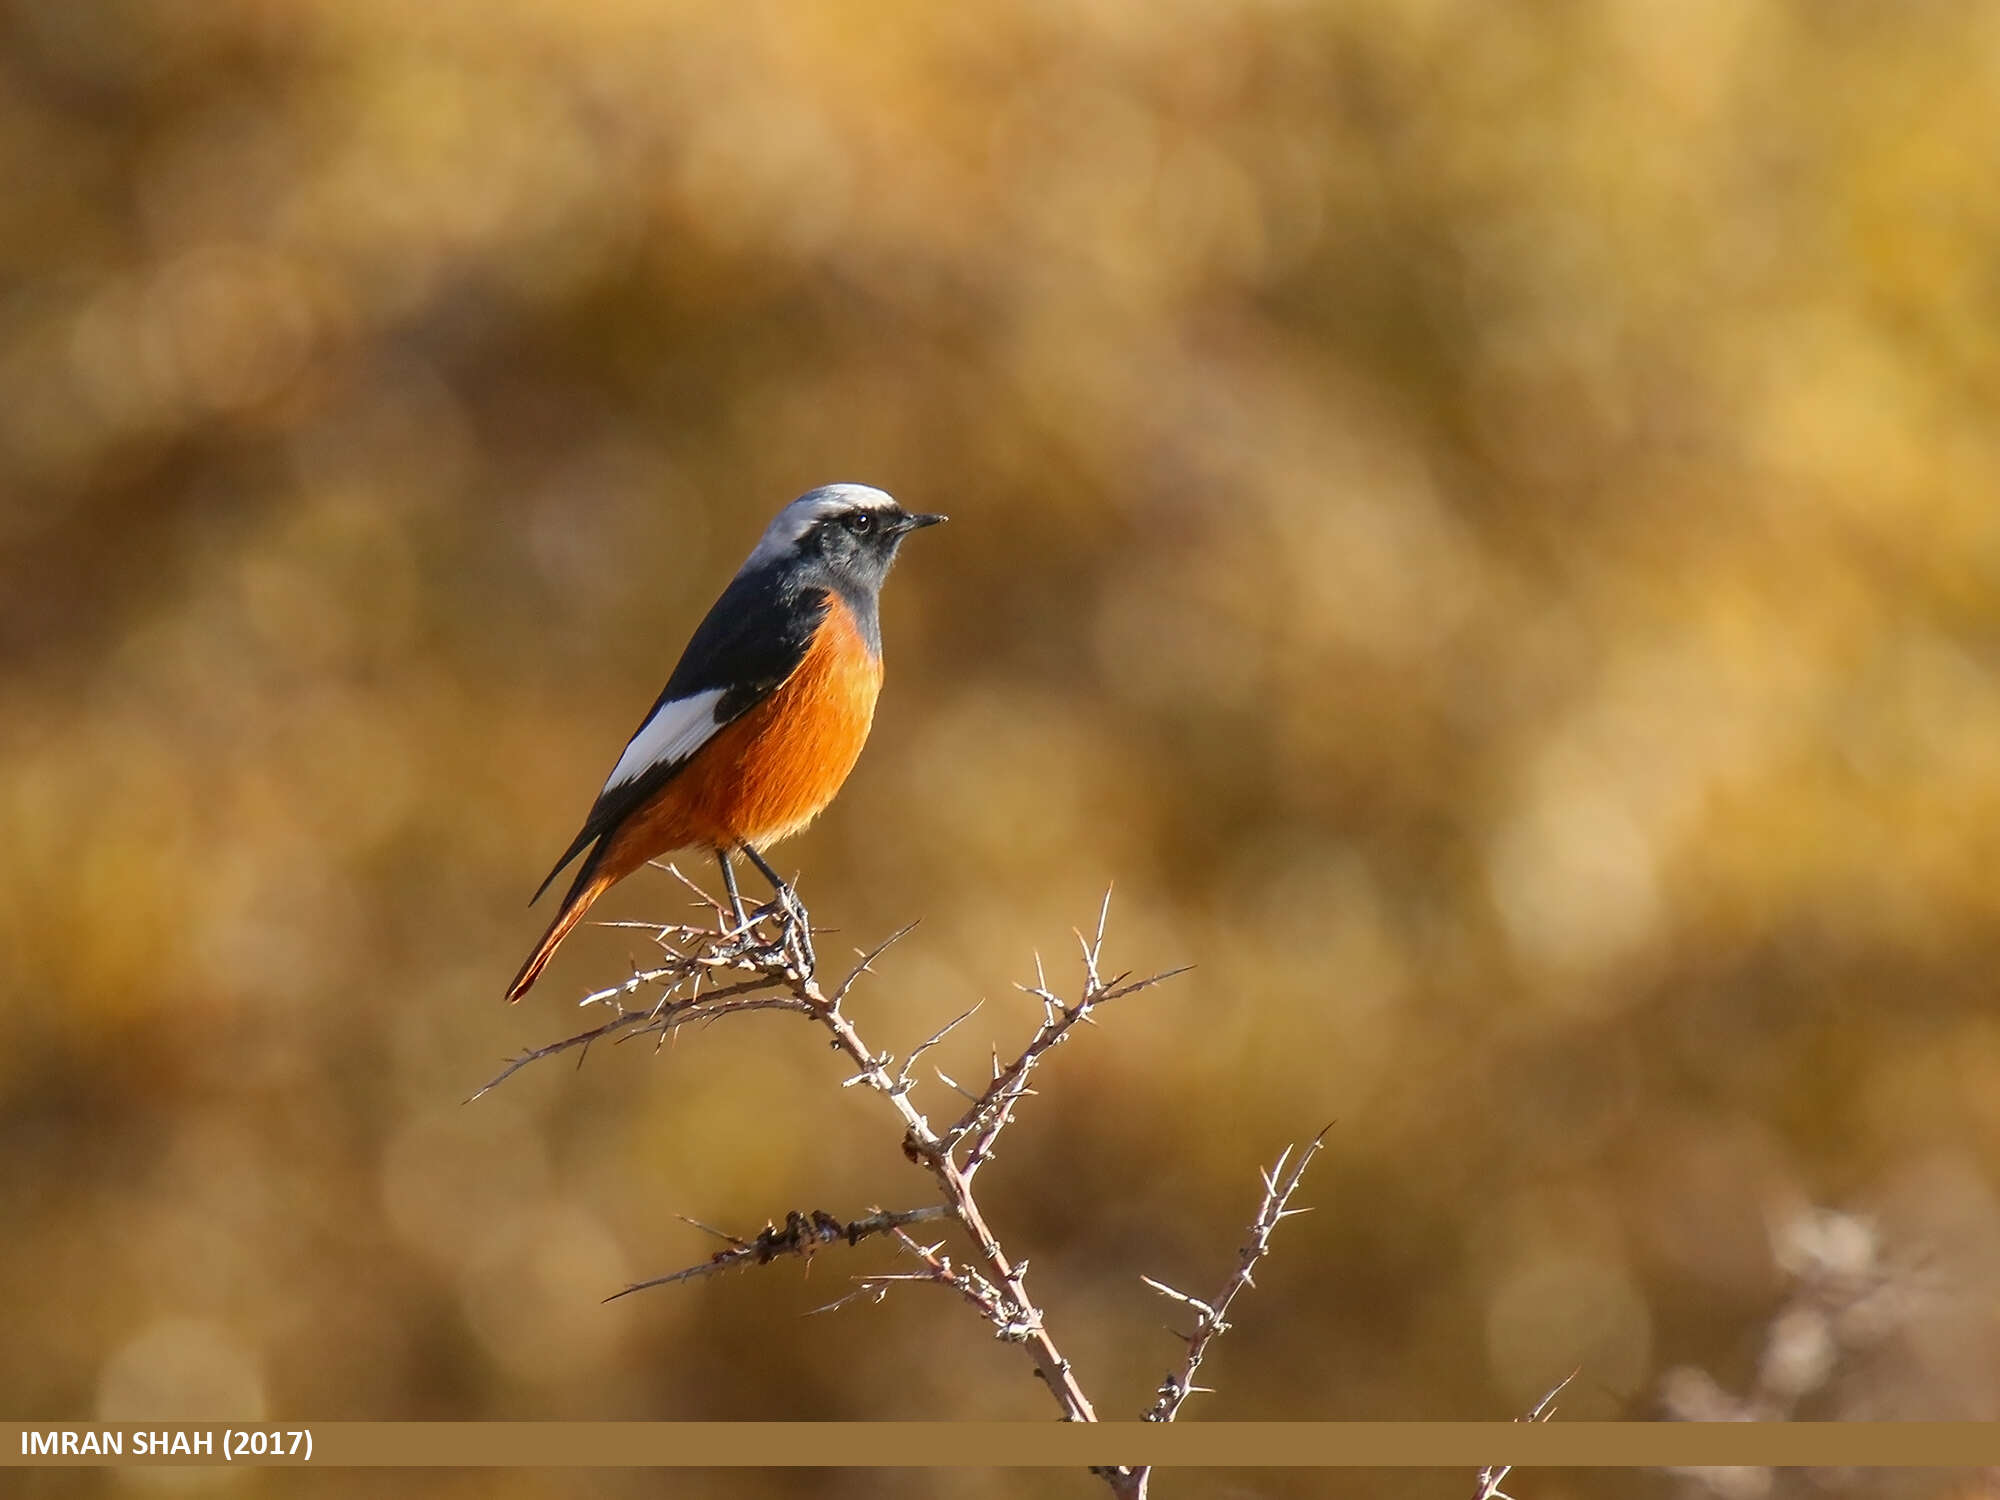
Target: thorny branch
{"x":711,"y":971}
{"x":1211,"y":1317}
{"x":986,"y":1299}
{"x":802,"y":1235}
{"x":1494,"y":1475}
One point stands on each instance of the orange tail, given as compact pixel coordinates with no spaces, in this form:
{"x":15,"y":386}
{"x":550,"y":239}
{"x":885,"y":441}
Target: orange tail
{"x":575,"y":904}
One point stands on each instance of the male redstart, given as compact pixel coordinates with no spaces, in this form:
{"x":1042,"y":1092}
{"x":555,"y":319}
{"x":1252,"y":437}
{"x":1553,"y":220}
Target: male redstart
{"x":764,"y":716}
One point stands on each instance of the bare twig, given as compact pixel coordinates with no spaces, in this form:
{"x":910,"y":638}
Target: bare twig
{"x":1211,"y":1317}
{"x":803,"y":1233}
{"x":867,"y":964}
{"x":986,"y":1299}
{"x":1494,"y":1475}
{"x":667,"y":1016}
{"x":903,"y":1078}
{"x":1015,"y":1316}
{"x":993,"y":1110}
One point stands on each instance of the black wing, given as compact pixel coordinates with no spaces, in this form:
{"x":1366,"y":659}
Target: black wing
{"x":749,"y":642}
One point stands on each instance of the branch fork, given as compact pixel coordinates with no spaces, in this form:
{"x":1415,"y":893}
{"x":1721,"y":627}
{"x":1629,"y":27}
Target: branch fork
{"x":709,"y":972}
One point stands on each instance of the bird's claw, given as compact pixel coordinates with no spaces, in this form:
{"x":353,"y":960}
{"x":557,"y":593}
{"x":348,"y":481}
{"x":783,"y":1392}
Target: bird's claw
{"x":796,"y":933}
{"x":792,"y":947}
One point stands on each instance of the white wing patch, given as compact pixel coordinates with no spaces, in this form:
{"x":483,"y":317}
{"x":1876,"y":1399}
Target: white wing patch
{"x":675,"y":732}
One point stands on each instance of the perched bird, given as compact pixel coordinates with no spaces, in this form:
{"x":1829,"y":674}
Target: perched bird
{"x":764,"y":716}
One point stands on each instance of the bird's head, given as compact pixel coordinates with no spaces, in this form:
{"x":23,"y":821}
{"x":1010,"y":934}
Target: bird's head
{"x":841,"y":536}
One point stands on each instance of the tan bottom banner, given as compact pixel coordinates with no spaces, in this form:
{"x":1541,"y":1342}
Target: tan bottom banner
{"x":1465,"y":1445}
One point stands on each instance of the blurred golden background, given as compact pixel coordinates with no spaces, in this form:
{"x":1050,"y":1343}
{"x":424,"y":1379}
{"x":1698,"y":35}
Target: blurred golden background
{"x":1480,"y":520}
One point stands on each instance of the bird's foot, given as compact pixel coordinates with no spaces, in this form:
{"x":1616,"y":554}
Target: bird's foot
{"x":791,"y":947}
{"x":740,"y":939}
{"x":795,"y":932}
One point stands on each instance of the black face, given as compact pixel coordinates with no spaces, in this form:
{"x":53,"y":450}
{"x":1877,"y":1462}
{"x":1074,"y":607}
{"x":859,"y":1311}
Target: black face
{"x":855,"y":547}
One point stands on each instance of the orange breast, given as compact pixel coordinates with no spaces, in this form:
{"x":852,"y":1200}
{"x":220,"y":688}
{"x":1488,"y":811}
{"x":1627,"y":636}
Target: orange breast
{"x":769,"y":773}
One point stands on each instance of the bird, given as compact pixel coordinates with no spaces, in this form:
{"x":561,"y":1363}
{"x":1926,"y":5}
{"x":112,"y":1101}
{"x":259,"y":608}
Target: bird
{"x":762,"y":719}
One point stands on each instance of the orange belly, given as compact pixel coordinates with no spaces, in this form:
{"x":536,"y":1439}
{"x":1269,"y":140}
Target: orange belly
{"x":768,"y":774}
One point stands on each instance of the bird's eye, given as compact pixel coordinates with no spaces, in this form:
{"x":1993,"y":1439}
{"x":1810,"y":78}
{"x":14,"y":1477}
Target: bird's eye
{"x":860,"y":523}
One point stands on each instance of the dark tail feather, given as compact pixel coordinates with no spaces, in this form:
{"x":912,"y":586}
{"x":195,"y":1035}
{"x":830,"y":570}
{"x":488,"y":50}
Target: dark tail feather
{"x":590,"y":831}
{"x":589,"y":886}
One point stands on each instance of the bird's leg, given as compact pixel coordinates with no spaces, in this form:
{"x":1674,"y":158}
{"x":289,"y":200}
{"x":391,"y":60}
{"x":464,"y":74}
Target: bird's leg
{"x":729,"y":885}
{"x":796,"y":927}
{"x":743,"y":936}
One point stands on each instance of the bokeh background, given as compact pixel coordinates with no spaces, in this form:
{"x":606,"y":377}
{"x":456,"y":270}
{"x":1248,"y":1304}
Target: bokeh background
{"x":1479,"y":519}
